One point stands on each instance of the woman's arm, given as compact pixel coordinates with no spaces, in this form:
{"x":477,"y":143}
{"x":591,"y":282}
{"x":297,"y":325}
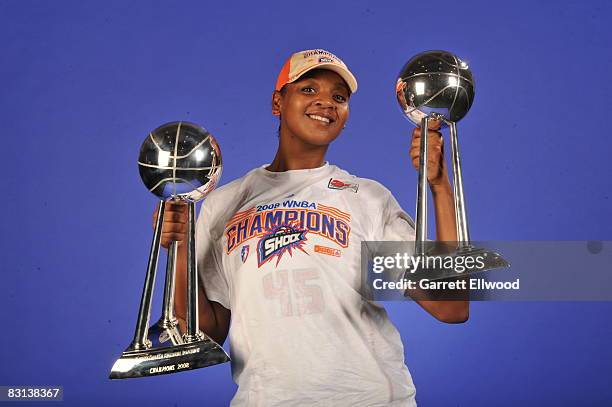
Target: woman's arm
{"x":213,"y":318}
{"x":450,"y":311}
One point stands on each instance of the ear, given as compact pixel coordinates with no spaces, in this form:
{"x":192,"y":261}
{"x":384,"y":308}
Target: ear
{"x":276,"y":102}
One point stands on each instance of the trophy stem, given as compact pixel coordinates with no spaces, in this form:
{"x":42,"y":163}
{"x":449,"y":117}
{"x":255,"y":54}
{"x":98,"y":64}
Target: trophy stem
{"x":463,"y":235}
{"x":421,"y":210}
{"x":140,"y":340}
{"x":168,"y":319}
{"x":193,"y":332}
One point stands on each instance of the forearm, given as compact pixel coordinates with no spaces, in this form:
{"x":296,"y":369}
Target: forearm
{"x":454,"y":308}
{"x":449,"y":311}
{"x":444,"y":206}
{"x":207,"y":317}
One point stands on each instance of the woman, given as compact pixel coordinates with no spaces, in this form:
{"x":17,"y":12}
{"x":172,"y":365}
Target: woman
{"x":279,"y":252}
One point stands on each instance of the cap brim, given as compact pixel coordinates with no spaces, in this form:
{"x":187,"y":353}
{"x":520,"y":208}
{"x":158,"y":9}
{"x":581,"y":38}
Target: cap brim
{"x":343,"y":72}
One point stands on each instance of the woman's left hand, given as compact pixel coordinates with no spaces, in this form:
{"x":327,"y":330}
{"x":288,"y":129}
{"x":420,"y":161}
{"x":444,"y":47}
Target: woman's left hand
{"x":436,"y":165}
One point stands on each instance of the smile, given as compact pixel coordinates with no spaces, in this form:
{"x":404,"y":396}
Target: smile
{"x":319,"y":118}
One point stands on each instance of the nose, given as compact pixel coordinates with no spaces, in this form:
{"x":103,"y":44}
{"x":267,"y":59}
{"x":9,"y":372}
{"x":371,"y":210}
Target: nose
{"x":324,"y":102}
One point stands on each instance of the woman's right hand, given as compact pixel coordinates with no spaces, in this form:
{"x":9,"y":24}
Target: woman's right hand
{"x":175,"y":223}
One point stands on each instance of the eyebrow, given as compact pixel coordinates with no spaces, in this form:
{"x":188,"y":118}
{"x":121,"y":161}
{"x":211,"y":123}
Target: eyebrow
{"x":337,"y":85}
{"x":342,"y":85}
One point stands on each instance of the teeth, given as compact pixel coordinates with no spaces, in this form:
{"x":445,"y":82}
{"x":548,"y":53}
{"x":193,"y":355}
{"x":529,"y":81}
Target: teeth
{"x":315,"y":117}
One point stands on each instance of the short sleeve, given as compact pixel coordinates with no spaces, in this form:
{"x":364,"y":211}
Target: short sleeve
{"x":210,"y":267}
{"x":397,"y":224}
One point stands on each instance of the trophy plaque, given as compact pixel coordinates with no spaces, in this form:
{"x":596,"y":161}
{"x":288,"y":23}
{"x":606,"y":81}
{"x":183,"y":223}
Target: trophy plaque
{"x":177,"y":161}
{"x":437,"y":85}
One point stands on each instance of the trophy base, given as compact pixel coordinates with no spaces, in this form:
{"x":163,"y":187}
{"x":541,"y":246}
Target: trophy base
{"x":161,"y":335}
{"x":170,"y":359}
{"x":486,"y":260}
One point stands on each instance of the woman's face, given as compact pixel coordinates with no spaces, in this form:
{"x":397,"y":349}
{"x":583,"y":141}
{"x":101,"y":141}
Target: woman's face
{"x":313,"y":109}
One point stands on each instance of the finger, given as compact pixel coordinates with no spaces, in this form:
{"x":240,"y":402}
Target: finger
{"x":174,"y":237}
{"x":433,"y":145}
{"x":433,"y":162}
{"x":175,"y":217}
{"x":434,"y":124}
{"x":155,"y":214}
{"x":164,"y":243}
{"x":167,"y":240}
{"x":431,"y":166}
{"x":435,"y":137}
{"x":433,"y":151}
{"x":173,"y":211}
{"x":176,"y":206}
{"x":416,"y":133}
{"x":174,"y":228}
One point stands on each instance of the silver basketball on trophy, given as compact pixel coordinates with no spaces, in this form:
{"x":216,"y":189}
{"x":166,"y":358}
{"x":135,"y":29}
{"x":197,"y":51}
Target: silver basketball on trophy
{"x":180,"y":159}
{"x":435,"y":83}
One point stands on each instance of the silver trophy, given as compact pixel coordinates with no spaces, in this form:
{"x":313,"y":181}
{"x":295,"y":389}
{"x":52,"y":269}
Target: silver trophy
{"x":177,"y":161}
{"x":437,"y":85}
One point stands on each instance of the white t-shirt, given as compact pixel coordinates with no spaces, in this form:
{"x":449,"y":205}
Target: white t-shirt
{"x":281,"y":250}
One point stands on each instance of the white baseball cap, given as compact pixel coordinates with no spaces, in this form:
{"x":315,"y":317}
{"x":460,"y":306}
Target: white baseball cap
{"x":304,"y":61}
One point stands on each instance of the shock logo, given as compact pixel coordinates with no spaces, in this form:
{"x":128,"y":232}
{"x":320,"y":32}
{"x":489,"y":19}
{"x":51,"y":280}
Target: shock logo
{"x":280,"y":240}
{"x":257,"y":222}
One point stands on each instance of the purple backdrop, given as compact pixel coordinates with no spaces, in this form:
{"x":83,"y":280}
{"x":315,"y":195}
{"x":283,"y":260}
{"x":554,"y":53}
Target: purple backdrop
{"x":84,"y":82}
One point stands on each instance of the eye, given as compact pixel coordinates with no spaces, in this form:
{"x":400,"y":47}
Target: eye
{"x":340,"y":98}
{"x":308,"y":89}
